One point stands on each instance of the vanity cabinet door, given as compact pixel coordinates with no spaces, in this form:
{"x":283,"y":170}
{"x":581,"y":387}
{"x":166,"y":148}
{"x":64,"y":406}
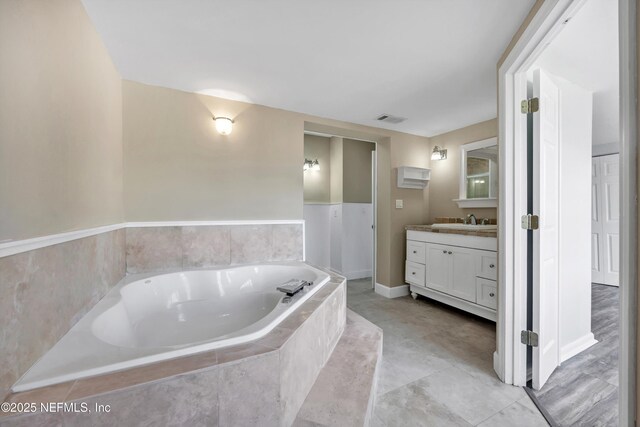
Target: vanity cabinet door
{"x":463,"y":277}
{"x":438,"y":268}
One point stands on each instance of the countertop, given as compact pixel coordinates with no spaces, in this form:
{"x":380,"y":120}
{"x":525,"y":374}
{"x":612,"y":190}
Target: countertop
{"x":427,"y":227}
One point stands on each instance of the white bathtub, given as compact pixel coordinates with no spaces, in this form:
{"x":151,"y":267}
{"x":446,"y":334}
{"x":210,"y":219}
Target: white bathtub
{"x":148,"y":318}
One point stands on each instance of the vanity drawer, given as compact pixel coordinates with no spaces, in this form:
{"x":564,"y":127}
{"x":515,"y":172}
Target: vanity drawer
{"x":416,"y":251}
{"x":414,"y":273}
{"x":487,"y":293}
{"x":488,"y":266}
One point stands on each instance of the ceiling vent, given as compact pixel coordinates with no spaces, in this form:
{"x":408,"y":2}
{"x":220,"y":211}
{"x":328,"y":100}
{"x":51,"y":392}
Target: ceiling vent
{"x":388,"y":118}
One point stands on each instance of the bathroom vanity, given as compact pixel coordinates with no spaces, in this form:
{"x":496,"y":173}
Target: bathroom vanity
{"x":455,"y":264}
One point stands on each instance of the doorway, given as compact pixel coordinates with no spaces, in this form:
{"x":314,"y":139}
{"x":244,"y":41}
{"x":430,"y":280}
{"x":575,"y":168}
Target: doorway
{"x":605,"y":217}
{"x":576,"y":196}
{"x":544,"y":339}
{"x":340,"y":197}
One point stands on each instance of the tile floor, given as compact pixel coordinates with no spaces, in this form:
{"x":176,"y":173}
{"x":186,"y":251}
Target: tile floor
{"x":584,"y":390}
{"x":437,"y":367}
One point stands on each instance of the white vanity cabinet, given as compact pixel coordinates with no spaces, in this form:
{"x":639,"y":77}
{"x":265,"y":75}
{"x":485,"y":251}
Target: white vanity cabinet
{"x":456,"y":269}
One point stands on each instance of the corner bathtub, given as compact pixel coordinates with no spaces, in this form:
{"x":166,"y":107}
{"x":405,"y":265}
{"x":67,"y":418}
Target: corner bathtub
{"x":149,"y":318}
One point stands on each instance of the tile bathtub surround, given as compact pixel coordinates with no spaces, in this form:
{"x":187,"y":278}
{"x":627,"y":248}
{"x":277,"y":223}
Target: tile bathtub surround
{"x":167,"y":248}
{"x":44,"y":292}
{"x":308,"y":351}
{"x":257,"y":383}
{"x":344,"y":393}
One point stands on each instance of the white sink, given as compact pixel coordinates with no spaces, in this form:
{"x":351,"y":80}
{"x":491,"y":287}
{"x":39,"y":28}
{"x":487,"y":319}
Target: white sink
{"x":468,"y":227}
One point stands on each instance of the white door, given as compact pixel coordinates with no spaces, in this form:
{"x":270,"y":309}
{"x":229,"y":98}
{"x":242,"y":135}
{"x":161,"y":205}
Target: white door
{"x":597,"y":275}
{"x":610,"y":208}
{"x":546,"y":238}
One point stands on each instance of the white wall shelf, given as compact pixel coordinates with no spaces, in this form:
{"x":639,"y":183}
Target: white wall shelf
{"x":412,"y":177}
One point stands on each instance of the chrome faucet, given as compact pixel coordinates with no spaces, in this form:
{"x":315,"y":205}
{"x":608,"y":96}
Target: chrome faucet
{"x":471,"y":219}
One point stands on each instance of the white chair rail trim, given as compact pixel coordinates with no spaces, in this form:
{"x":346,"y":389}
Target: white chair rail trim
{"x":18,"y":246}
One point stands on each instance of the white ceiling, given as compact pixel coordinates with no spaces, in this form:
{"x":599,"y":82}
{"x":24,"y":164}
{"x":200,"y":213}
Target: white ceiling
{"x":431,"y":61}
{"x":585,"y":52}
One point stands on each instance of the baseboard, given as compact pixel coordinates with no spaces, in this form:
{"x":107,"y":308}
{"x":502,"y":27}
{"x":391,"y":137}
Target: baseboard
{"x":362,"y":274}
{"x":577,"y":346}
{"x":392,"y":292}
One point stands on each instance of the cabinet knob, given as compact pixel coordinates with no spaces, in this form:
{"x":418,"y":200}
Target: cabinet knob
{"x":492,"y":294}
{"x":444,"y":252}
{"x":413,"y":273}
{"x":415,"y":252}
{"x":449,"y":252}
{"x":492,"y":265}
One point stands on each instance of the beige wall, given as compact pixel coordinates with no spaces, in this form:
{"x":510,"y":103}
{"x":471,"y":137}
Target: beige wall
{"x":177,"y":167}
{"x":337,"y":155}
{"x":406,"y":151}
{"x":445,"y":174}
{"x":345,"y":170}
{"x":60,"y":122}
{"x":384,"y":214}
{"x":317,"y":184}
{"x":356,"y":173}
{"x":637,"y":219}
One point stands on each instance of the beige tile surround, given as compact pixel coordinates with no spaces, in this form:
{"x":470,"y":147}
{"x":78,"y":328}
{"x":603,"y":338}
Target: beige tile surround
{"x":168,"y":248}
{"x":45,"y":291}
{"x":345,"y":391}
{"x":262,"y":383}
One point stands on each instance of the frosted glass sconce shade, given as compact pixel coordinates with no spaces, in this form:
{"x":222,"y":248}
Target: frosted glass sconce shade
{"x":224,"y":125}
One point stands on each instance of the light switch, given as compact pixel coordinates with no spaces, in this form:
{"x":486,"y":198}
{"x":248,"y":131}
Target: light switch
{"x":399,"y":204}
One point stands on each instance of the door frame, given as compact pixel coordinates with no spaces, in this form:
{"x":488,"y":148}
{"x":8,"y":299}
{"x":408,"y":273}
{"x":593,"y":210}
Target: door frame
{"x":341,"y":133}
{"x":510,"y":357}
{"x":374,"y":208}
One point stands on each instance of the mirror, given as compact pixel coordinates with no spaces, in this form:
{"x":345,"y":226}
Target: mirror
{"x":479,"y":174}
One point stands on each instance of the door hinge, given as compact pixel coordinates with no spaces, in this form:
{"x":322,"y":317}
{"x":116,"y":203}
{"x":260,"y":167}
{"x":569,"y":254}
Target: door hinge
{"x":529,"y":106}
{"x":529,"y":338}
{"x":530,"y":222}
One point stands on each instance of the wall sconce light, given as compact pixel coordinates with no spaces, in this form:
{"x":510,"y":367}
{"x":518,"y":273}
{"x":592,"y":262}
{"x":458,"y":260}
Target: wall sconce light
{"x":439,"y":153}
{"x":311,"y":164}
{"x":224,"y":125}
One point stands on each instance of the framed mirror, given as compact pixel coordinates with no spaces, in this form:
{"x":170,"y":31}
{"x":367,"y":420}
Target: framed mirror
{"x":479,"y":174}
